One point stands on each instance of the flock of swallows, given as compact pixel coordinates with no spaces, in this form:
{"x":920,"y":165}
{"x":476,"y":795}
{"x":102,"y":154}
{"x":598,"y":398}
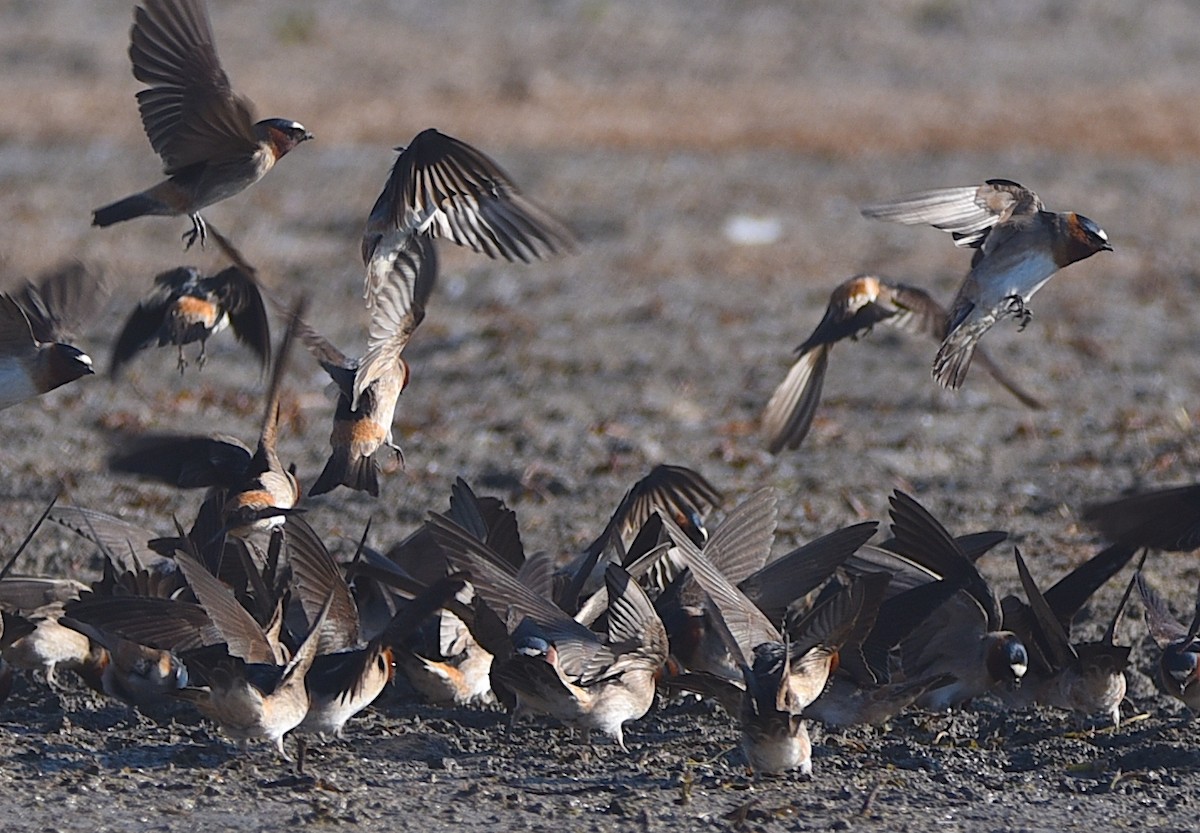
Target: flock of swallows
{"x":248,"y":616}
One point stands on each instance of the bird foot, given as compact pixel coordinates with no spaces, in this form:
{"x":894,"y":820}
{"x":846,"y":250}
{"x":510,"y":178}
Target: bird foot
{"x":1016,"y":307}
{"x":199,"y":231}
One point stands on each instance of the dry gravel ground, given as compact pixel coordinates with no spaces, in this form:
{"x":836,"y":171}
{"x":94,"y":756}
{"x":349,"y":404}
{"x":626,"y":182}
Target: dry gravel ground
{"x":646,"y":126}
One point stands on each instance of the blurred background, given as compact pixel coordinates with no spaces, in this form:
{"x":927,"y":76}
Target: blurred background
{"x":712,"y":157}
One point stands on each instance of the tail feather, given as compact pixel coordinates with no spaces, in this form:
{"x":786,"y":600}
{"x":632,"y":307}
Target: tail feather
{"x":789,"y":414}
{"x":137,"y":205}
{"x":359,"y":473}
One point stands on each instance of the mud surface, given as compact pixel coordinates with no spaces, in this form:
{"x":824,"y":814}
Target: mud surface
{"x":647,"y":127}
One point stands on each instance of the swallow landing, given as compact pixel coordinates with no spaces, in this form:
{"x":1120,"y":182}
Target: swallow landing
{"x":1019,"y":245}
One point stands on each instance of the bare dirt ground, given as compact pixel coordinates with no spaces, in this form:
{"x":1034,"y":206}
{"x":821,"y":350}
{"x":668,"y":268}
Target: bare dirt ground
{"x":646,"y":127}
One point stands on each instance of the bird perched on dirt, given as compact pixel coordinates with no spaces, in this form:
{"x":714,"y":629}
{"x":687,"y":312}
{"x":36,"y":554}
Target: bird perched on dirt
{"x":210,"y":144}
{"x":855,"y":307}
{"x":187,"y":306}
{"x":1087,"y":678}
{"x":1019,"y":245}
{"x":964,"y":636}
{"x":551,"y":663}
{"x":35,"y":324}
{"x":1179,"y":664}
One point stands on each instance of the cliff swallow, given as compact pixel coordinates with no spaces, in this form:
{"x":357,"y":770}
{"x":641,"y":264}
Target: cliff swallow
{"x":210,"y":144}
{"x":1088,"y":678}
{"x":1019,"y":245}
{"x":258,"y":491}
{"x":855,"y":307}
{"x":740,"y":548}
{"x":186,"y":307}
{"x":35,"y":324}
{"x":1179,"y":664}
{"x":440,"y":187}
{"x":51,"y":646}
{"x":1161,"y":519}
{"x":369,"y":387}
{"x":964,"y":635}
{"x":782,"y":673}
{"x":554,"y":665}
{"x":249,"y":686}
{"x":677,"y":492}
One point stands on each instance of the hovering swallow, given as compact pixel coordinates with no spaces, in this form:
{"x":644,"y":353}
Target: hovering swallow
{"x":1019,"y":245}
{"x":855,"y":307}
{"x":963,"y":636}
{"x":552,"y":664}
{"x":210,"y":144}
{"x":186,"y":307}
{"x":441,"y":187}
{"x":35,"y":324}
{"x":1179,"y":665}
{"x":1160,"y":519}
{"x":1087,"y":678}
{"x":257,"y":490}
{"x":369,"y":387}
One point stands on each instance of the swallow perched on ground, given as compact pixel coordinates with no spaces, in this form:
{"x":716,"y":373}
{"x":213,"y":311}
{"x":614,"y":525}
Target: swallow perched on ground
{"x":1161,"y":519}
{"x":369,"y":387}
{"x":259,"y":491}
{"x":252,"y":690}
{"x":186,"y":307}
{"x":50,"y":646}
{"x":855,"y":307}
{"x":1019,"y":245}
{"x":1179,"y":665}
{"x":553,"y":664}
{"x":35,"y":324}
{"x":782,"y":673}
{"x":964,"y":635}
{"x":210,"y":144}
{"x":441,"y":187}
{"x":1087,"y":678}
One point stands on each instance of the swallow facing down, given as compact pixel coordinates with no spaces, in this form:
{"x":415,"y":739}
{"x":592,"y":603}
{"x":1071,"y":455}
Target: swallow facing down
{"x":257,"y":490}
{"x":676,"y":492}
{"x":440,"y":187}
{"x":855,"y":307}
{"x":252,"y":690}
{"x":1179,"y":665}
{"x":739,"y":548}
{"x":186,"y":307}
{"x":369,"y":387}
{"x":210,"y":144}
{"x":349,"y":672}
{"x":1160,"y":519}
{"x":552,"y":664}
{"x":1019,"y":245}
{"x":34,"y":328}
{"x":964,"y":635}
{"x":782,"y":674}
{"x":1087,"y":678}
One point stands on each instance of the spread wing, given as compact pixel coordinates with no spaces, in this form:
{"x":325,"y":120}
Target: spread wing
{"x":190,"y":113}
{"x":969,"y":213}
